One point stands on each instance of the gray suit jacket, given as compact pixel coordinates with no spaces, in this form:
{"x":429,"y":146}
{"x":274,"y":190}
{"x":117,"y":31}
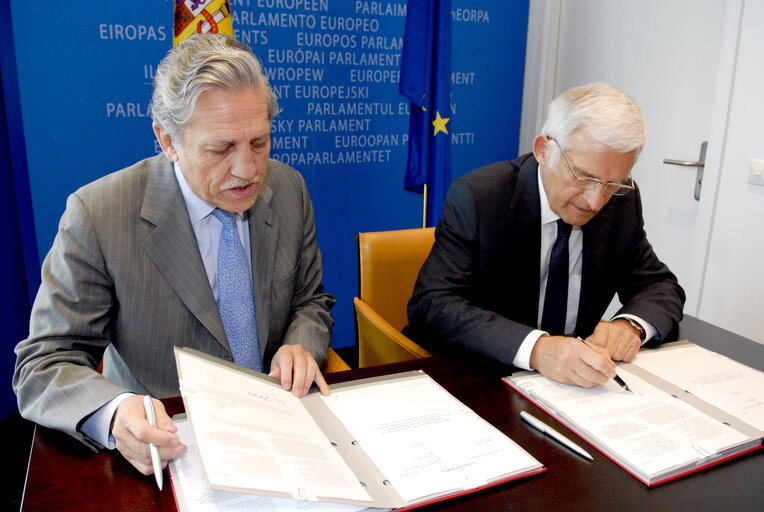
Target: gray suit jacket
{"x":124,"y":281}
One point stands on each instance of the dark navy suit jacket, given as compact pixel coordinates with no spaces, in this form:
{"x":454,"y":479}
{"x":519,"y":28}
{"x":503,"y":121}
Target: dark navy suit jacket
{"x":479,"y":287}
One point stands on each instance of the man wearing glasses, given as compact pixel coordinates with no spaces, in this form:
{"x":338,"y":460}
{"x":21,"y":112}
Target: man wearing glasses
{"x":529,"y":253}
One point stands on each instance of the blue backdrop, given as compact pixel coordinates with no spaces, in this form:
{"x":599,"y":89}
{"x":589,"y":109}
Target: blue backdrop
{"x":84,"y":77}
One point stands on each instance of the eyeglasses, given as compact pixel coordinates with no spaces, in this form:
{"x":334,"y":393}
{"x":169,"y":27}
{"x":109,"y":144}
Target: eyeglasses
{"x":612,"y":188}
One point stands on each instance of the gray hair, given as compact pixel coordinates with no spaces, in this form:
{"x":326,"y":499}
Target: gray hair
{"x":201,"y":63}
{"x":608,"y":115}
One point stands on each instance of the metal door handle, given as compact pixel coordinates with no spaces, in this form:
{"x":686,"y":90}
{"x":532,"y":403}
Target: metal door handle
{"x":700,"y":163}
{"x":685,"y":163}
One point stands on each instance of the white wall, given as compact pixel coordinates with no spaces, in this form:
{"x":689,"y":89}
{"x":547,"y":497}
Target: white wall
{"x":725,"y":274}
{"x":733,"y":289}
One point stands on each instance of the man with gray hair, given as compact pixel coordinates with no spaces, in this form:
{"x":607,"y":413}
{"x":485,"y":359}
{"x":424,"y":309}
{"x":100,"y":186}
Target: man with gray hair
{"x":209,"y":245}
{"x":529,"y":253}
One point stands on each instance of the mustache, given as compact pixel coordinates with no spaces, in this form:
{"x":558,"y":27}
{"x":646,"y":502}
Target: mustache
{"x":239,"y":183}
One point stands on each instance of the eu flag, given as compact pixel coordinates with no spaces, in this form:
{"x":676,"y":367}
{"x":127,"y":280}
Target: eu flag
{"x":426,"y":81}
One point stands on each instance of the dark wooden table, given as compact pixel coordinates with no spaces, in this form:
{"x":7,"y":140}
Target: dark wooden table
{"x":63,"y":475}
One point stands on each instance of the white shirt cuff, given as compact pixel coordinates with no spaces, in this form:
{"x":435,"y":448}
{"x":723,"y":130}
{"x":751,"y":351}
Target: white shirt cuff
{"x":523,"y":356}
{"x":98,"y":426}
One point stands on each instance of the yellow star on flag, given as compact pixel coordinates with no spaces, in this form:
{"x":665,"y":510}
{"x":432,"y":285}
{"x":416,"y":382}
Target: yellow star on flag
{"x":440,"y":124}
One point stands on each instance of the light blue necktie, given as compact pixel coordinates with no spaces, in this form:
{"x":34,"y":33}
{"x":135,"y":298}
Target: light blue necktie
{"x":235,"y":299}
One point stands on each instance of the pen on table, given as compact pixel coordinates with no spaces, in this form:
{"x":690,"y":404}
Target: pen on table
{"x":547,"y":430}
{"x":617,"y":379}
{"x":155,"y":460}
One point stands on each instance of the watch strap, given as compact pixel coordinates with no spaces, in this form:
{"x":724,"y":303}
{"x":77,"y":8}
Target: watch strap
{"x":636,"y":325}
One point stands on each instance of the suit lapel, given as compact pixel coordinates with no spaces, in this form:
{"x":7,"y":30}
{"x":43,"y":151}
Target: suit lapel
{"x":172,"y":247}
{"x":525,"y":241}
{"x":263,"y":232}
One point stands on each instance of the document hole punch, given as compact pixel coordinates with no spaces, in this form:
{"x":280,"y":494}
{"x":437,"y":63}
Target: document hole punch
{"x":354,"y":442}
{"x":386,"y":482}
{"x":363,"y":484}
{"x":333,"y":444}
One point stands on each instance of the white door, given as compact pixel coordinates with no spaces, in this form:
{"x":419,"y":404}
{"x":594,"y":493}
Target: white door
{"x":734,"y":278}
{"x":665,"y":54}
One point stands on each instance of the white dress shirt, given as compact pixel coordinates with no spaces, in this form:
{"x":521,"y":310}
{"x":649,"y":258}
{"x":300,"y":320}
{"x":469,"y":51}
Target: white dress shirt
{"x":575,"y":252}
{"x":207,"y":229}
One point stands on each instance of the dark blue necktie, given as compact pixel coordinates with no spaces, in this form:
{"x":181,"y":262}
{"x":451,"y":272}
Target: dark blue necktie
{"x":556,"y":298}
{"x":235,"y":299}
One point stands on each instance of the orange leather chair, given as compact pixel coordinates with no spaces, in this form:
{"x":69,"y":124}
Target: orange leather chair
{"x":389,"y":262}
{"x":334,"y":363}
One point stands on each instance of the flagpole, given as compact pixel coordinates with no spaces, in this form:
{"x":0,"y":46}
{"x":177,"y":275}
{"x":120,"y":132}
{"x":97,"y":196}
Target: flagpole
{"x":424,"y":206}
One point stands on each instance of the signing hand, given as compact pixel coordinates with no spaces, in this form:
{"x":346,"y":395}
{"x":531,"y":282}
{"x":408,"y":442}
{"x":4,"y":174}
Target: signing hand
{"x":569,"y":361}
{"x":297,"y":370}
{"x":133,"y":433}
{"x":618,"y":337}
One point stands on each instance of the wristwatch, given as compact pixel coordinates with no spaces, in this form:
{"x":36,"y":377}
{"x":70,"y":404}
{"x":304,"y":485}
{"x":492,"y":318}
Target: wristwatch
{"x":636,"y":325}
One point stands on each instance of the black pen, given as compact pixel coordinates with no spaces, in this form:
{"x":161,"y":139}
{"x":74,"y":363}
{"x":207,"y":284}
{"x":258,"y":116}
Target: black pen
{"x":617,"y":379}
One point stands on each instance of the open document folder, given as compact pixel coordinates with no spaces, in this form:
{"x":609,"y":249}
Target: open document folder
{"x":388,"y":442}
{"x":690,"y":408}
{"x":192,"y":494}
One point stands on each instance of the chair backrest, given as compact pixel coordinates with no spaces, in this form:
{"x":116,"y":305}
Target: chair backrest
{"x":389,"y":262}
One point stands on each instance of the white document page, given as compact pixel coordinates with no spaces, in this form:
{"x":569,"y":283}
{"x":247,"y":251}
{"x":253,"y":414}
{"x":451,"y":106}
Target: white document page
{"x":649,"y":429}
{"x":194,"y":495}
{"x":723,"y":382}
{"x":252,"y":435}
{"x":423,"y":439}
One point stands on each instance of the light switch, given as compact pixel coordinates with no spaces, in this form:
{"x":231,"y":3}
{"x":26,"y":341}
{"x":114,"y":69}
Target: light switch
{"x":756,"y":172}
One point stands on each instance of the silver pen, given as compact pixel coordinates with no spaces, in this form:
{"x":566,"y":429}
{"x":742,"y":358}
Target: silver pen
{"x":547,"y":430}
{"x":151,"y":414}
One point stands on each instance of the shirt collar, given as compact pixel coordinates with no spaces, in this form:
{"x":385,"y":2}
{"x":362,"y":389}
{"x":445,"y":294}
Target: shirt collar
{"x":197,"y":207}
{"x":547,"y":214}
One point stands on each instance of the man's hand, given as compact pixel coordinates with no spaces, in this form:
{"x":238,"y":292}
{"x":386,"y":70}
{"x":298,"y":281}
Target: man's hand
{"x":569,"y":361}
{"x":133,"y":433}
{"x":297,"y":370}
{"x":619,"y":338}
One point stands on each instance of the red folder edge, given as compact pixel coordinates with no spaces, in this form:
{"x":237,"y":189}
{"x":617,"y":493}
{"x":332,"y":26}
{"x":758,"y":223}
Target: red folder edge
{"x":542,"y":469}
{"x":695,"y":469}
